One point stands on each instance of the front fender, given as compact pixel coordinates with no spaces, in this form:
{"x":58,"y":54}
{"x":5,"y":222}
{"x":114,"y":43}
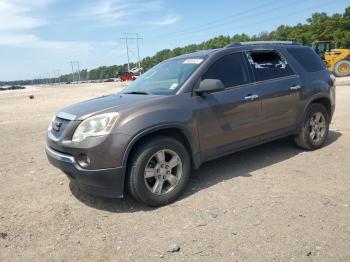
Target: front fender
{"x":168,"y":112}
{"x":188,"y":135}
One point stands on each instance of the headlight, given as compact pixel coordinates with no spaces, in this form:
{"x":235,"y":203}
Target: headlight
{"x":95,"y":126}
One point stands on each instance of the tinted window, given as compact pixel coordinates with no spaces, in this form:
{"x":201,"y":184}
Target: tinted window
{"x":269,"y":65}
{"x":229,"y":69}
{"x":307,"y":58}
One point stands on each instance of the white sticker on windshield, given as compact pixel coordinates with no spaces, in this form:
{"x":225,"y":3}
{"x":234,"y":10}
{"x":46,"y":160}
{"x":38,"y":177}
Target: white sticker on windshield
{"x":173,"y":86}
{"x":195,"y":61}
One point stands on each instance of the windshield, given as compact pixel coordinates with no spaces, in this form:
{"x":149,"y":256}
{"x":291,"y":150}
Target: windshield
{"x":165,"y":78}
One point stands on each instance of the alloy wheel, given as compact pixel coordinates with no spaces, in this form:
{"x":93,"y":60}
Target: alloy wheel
{"x":317,"y":127}
{"x":163,"y":172}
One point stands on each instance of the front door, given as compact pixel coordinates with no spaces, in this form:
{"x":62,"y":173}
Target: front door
{"x":226,"y":119}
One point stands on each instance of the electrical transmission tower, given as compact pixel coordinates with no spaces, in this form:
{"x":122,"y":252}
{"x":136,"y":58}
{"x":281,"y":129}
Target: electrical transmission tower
{"x":137,"y":38}
{"x":75,"y":64}
{"x":56,"y":74}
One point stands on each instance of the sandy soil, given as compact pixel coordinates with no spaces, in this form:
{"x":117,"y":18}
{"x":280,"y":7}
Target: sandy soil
{"x":272,"y":202}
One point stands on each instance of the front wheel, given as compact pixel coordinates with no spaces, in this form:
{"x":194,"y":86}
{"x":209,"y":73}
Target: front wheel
{"x":315,"y":128}
{"x":159,"y":171}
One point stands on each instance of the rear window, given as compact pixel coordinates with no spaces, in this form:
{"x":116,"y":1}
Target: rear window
{"x":307,"y":58}
{"x":268,"y":65}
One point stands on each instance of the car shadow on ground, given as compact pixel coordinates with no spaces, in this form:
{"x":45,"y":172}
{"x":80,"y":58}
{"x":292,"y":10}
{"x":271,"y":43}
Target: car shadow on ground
{"x":241,"y":164}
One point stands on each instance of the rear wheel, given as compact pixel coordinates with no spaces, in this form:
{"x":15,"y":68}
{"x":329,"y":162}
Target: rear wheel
{"x":315,"y":128}
{"x":159,"y":171}
{"x":342,"y":68}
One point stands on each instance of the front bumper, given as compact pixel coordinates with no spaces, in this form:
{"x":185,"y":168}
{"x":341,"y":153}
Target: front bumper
{"x":107,"y":182}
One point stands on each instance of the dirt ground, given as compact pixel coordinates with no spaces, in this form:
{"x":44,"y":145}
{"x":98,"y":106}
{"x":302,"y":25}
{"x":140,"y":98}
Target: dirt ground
{"x":272,"y":202}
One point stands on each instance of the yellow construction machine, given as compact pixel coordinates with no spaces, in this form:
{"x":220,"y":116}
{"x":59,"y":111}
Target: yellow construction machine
{"x":337,"y":60}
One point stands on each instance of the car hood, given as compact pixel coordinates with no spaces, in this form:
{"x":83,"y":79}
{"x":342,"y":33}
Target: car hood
{"x":105,"y":104}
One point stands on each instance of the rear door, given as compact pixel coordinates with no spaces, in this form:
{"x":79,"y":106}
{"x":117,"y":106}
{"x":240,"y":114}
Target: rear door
{"x":279,"y":89}
{"x":226,"y":119}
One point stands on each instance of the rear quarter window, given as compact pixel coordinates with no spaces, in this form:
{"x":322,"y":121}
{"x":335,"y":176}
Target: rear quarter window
{"x":308,"y":59}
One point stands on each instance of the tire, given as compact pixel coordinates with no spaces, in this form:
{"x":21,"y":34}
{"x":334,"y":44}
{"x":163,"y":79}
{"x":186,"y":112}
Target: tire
{"x":308,"y":138}
{"x":162,"y":182}
{"x":342,"y":68}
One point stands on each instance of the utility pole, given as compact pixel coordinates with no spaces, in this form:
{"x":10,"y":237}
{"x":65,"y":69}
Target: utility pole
{"x":71,"y":62}
{"x":127,"y":49}
{"x":138,"y":52}
{"x":47,"y":78}
{"x":77,"y":65}
{"x":78,"y":71}
{"x":137,"y":38}
{"x":56,"y":73}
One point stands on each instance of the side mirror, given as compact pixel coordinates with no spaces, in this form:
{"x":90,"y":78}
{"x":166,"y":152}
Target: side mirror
{"x":210,"y":86}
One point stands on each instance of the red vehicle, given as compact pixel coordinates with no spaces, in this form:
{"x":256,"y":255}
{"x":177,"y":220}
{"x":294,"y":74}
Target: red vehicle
{"x":126,"y":76}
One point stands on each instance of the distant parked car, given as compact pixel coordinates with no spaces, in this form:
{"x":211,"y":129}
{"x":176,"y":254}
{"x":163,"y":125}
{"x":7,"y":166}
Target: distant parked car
{"x":188,"y":110}
{"x":108,"y":80}
{"x":14,"y":87}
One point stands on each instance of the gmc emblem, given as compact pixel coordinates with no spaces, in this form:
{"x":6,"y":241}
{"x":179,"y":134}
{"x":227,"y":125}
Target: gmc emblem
{"x":56,"y":125}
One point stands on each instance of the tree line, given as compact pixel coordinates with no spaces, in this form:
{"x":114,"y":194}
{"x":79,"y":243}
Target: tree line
{"x":318,"y":27}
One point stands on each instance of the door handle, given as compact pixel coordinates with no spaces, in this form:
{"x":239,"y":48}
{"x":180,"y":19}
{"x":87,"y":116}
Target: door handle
{"x":295,"y":87}
{"x":251,"y":97}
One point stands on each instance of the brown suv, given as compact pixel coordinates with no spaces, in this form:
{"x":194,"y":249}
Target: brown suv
{"x":188,"y":110}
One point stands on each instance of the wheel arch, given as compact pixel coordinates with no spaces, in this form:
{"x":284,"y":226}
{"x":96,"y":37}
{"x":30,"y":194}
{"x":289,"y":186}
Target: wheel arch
{"x":321,"y":99}
{"x":325,"y":101}
{"x":175,"y":131}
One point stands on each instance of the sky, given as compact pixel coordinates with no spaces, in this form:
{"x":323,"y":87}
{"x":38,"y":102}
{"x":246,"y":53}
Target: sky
{"x":39,"y":38}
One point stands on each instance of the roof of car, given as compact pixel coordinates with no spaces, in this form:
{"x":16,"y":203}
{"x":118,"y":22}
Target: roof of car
{"x":255,"y":43}
{"x":238,"y":45}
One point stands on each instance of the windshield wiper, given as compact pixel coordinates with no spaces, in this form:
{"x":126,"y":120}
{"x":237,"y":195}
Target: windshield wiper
{"x":137,"y":93}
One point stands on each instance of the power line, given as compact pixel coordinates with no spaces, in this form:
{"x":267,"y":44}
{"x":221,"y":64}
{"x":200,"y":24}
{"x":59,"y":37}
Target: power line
{"x":237,"y":19}
{"x":221,"y":23}
{"x":269,"y":19}
{"x":221,"y":20}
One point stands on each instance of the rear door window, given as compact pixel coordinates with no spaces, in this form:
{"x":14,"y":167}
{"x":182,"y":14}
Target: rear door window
{"x":308,"y":59}
{"x":268,"y":65}
{"x":230,"y":69}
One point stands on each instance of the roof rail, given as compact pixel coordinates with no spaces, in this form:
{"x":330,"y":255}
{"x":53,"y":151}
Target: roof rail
{"x":262,"y":43}
{"x":189,"y":52}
